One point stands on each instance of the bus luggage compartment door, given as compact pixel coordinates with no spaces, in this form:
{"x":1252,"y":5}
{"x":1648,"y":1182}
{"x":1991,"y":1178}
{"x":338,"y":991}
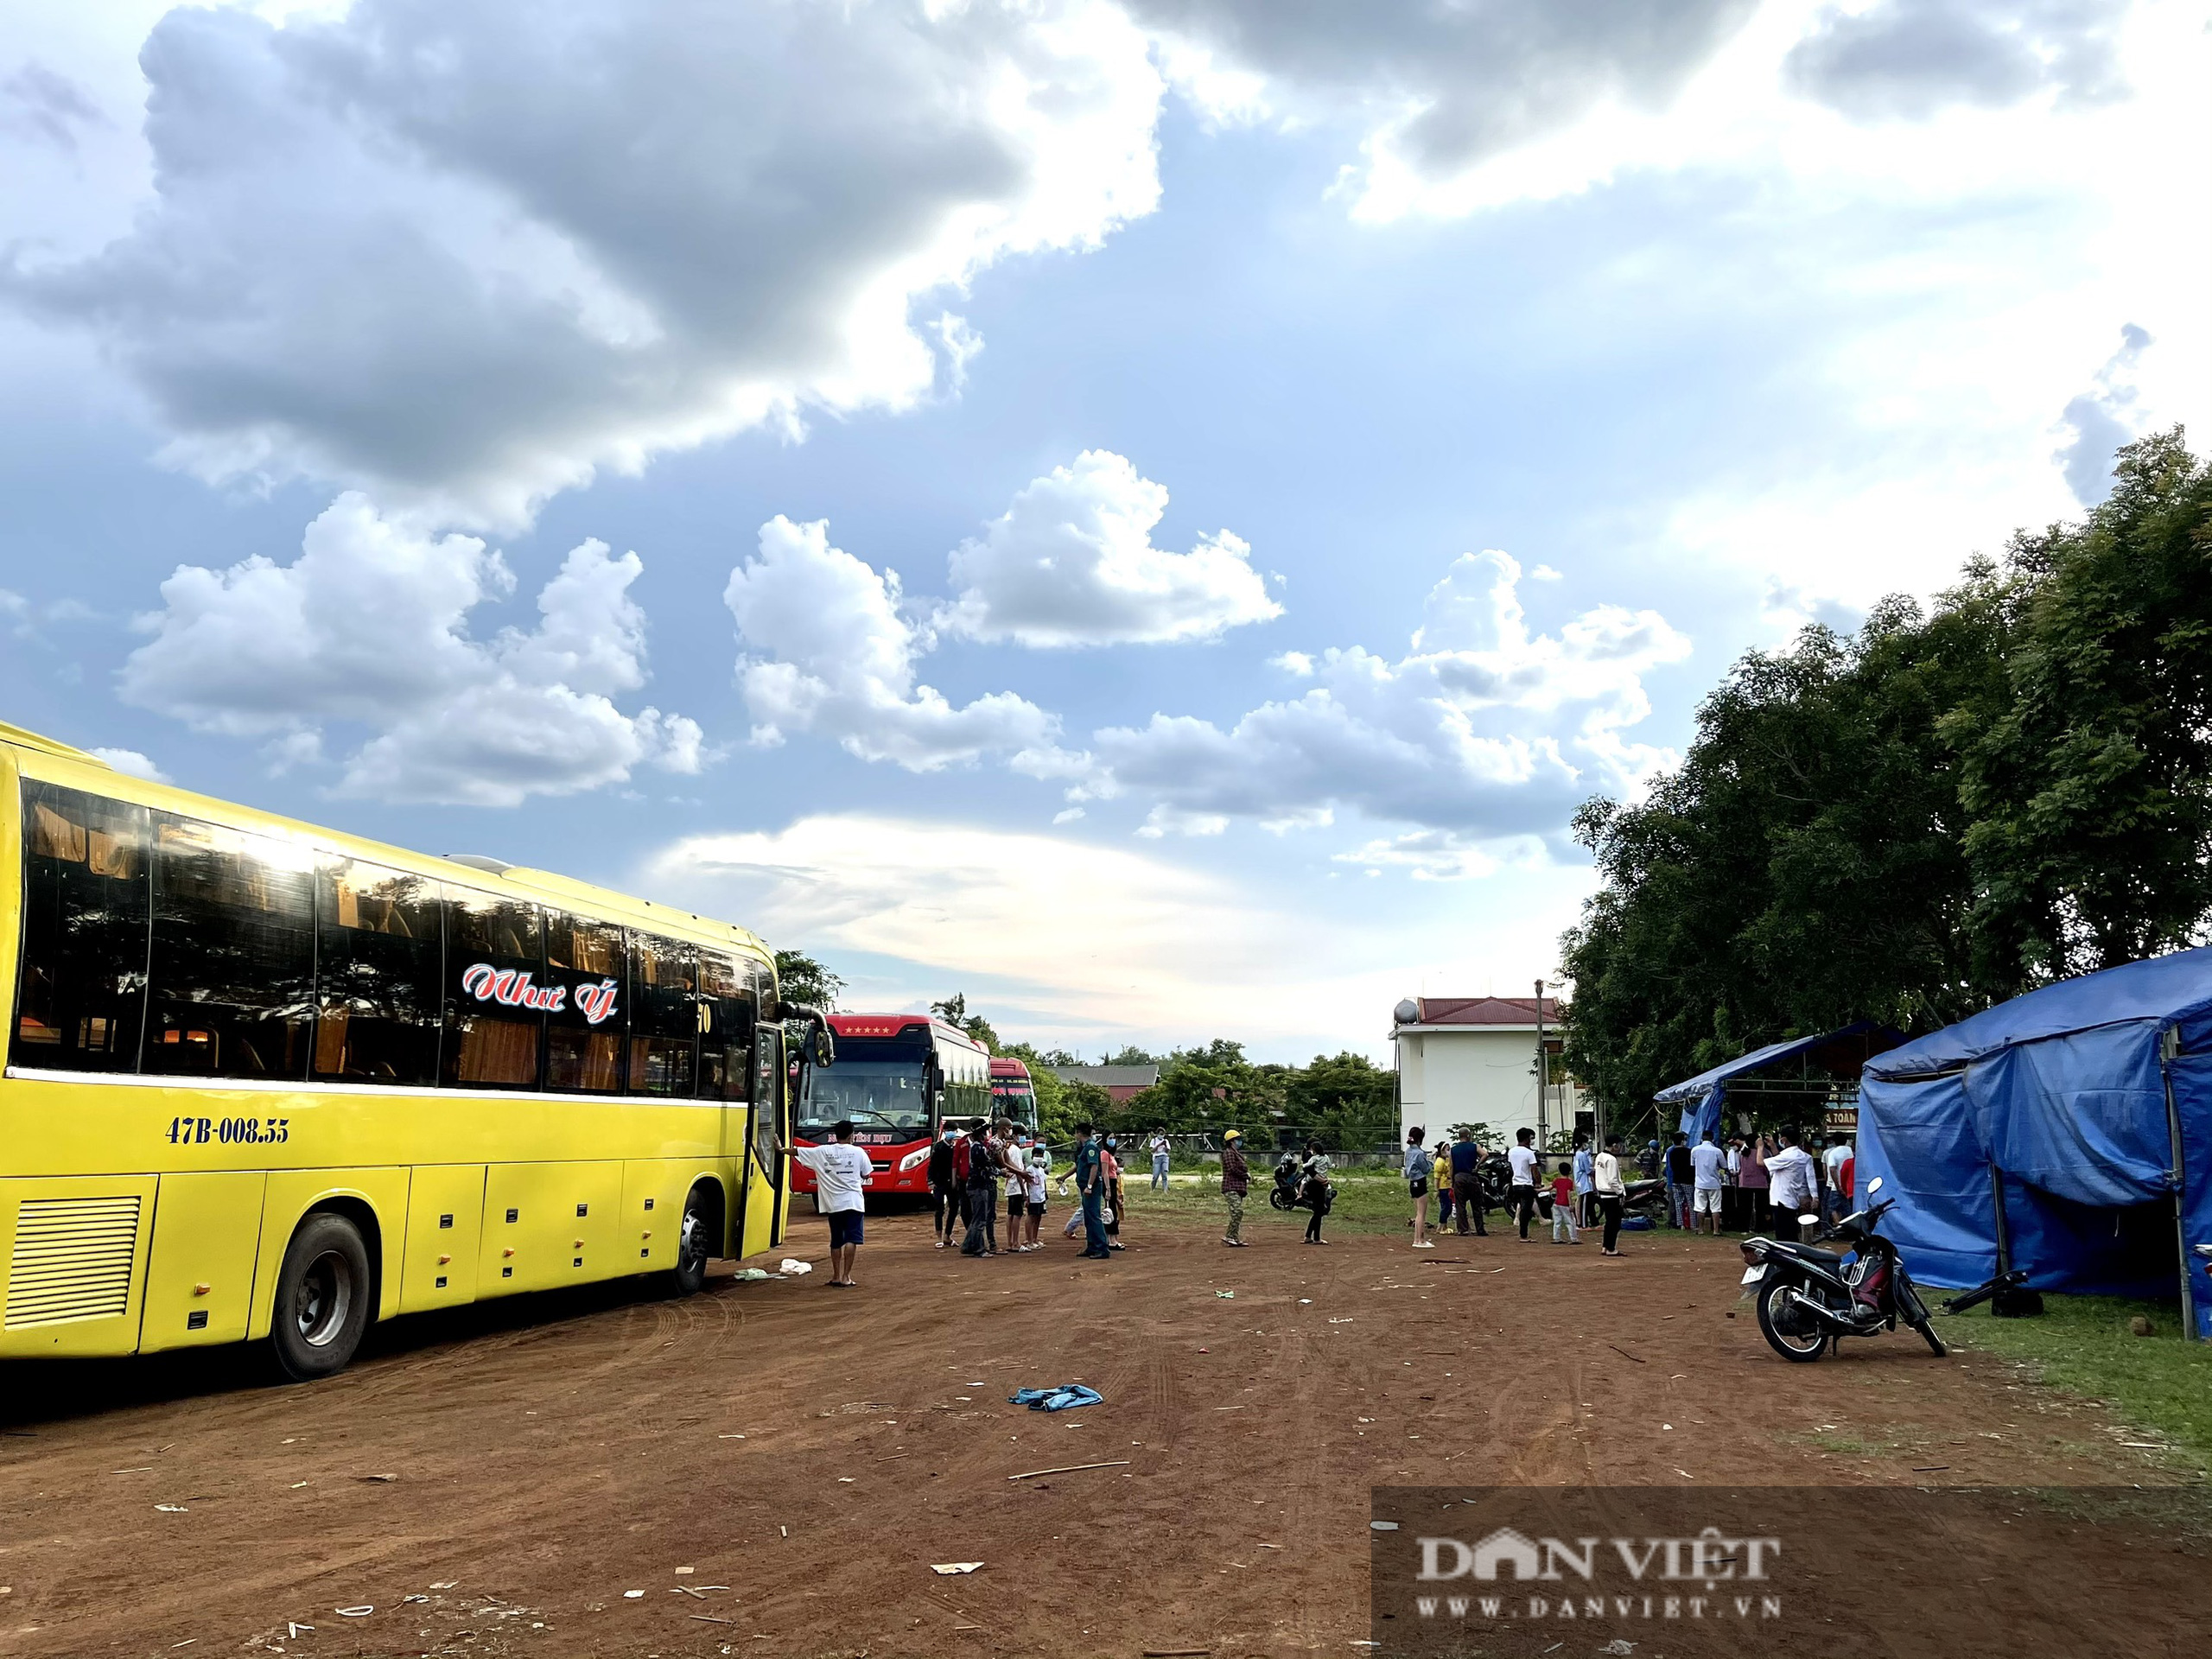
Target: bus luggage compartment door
{"x":550,"y":1224}
{"x":445,"y":1234}
{"x":199,"y":1280}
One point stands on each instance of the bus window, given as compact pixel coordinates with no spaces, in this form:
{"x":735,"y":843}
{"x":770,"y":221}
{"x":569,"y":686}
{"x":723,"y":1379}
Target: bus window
{"x":495,"y":968}
{"x":232,"y":979}
{"x":664,"y":1018}
{"x":81,"y":999}
{"x":378,"y":967}
{"x":583,"y":1035}
{"x":725,"y":1028}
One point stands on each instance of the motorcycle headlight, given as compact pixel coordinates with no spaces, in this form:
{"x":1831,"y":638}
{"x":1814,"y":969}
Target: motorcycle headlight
{"x":913,"y":1161}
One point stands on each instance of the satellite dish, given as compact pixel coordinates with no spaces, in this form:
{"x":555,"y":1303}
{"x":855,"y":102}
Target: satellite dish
{"x":1408,"y":1012}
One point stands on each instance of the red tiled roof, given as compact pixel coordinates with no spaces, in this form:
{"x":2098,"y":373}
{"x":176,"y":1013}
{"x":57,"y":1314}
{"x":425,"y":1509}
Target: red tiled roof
{"x":1486,"y":1011}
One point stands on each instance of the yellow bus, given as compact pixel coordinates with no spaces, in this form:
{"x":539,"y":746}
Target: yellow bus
{"x":268,"y":1081}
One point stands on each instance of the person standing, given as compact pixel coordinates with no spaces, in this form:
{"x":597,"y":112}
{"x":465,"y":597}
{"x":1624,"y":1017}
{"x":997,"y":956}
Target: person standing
{"x":1090,"y":1183}
{"x":1564,"y":1231}
{"x":1467,"y":1181}
{"x":1790,"y":1172}
{"x":1605,"y":1182}
{"x":1418,"y":1165}
{"x":1017,"y":1194}
{"x":1680,"y":1179}
{"x":1835,"y":1200}
{"x":982,"y":1237}
{"x":1313,"y":1189}
{"x":1707,"y":1168}
{"x":1521,"y":1190}
{"x":1117,"y":1201}
{"x":841,"y":1171}
{"x":1585,"y":1160}
{"x":1443,"y":1184}
{"x":944,"y":1190}
{"x":1159,"y":1160}
{"x":1752,"y":1176}
{"x":1235,"y":1182}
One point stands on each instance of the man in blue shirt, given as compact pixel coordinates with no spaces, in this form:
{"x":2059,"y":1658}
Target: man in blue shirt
{"x":1466,"y":1181}
{"x":1090,"y":1182}
{"x":1586,"y":1164}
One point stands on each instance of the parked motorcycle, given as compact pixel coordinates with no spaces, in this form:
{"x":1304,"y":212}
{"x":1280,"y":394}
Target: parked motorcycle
{"x":1811,"y":1299}
{"x":1290,"y":1184}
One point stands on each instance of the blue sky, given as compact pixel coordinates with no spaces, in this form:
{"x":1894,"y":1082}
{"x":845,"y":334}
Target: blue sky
{"x":1317,"y":446}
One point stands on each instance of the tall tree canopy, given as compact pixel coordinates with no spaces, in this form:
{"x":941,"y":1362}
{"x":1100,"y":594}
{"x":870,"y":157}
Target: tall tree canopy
{"x":1929,"y":816}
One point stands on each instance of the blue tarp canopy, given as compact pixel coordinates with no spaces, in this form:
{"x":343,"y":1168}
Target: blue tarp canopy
{"x":1700,"y":1097}
{"x":2044,"y":1126}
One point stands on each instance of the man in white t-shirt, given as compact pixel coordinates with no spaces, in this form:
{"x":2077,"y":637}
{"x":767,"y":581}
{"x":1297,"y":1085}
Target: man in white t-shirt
{"x":1790,"y":1172}
{"x":841,"y":1171}
{"x":1521,"y":1194}
{"x":1832,"y":1162}
{"x":1158,"y":1146}
{"x":1707,"y":1165}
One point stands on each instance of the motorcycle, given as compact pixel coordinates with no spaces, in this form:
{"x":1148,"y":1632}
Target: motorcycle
{"x":1290,"y":1185}
{"x":1810,"y":1300}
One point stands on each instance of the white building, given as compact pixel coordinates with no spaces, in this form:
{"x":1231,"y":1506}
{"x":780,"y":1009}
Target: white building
{"x":1472,"y":1059}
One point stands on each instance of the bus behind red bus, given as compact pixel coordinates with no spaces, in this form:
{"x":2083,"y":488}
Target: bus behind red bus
{"x":1014,"y":1095}
{"x":900,"y":1077}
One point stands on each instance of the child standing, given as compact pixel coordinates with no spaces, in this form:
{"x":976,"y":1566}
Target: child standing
{"x":1563,"y":1206}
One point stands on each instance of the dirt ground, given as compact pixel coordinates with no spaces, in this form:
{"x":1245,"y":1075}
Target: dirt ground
{"x":520,"y":1471}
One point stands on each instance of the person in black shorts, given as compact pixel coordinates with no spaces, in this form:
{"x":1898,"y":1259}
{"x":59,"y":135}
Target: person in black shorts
{"x":1017,"y":1192}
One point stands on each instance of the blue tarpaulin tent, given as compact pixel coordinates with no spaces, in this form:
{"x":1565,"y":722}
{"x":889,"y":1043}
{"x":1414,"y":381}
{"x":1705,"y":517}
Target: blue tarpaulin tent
{"x":1700,"y":1097}
{"x":2055,"y":1131}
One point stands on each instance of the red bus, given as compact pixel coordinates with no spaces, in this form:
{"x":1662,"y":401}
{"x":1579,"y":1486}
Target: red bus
{"x":1014,"y":1095}
{"x":900,"y":1077}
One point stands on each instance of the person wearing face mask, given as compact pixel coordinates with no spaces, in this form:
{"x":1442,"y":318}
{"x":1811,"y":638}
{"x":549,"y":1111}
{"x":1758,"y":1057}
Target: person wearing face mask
{"x":944,"y":1187}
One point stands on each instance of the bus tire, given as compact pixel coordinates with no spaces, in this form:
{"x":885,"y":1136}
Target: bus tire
{"x":326,"y":1295}
{"x":694,"y":1241}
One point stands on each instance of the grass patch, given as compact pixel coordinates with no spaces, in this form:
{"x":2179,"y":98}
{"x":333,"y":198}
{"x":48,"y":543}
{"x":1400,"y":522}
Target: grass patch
{"x":1366,"y":1202}
{"x":2159,"y":1384}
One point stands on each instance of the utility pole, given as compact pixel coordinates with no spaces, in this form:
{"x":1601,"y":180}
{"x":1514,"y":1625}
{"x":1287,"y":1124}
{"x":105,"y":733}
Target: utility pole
{"x":1543,"y":1073}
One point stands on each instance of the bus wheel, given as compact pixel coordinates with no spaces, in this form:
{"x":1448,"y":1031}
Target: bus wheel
{"x":324,"y":1297}
{"x":693,"y":1245}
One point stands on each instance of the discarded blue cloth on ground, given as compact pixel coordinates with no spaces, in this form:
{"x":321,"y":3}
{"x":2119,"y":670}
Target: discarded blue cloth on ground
{"x":1061,"y":1396}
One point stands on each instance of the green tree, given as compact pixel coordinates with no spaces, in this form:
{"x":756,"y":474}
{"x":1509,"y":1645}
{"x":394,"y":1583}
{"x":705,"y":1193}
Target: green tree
{"x":2090,"y":791}
{"x":1928,"y":816}
{"x":954,"y":1010}
{"x":1130,"y":1054}
{"x":800,"y":978}
{"x":1349,"y":1102}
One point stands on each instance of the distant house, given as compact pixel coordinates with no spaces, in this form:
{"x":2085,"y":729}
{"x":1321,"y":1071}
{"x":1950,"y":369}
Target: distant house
{"x":1472,"y":1059}
{"x":1123,"y":1083}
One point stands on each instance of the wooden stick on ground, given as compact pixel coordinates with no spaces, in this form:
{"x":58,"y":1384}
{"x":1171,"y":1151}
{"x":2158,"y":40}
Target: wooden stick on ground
{"x":1070,"y":1468}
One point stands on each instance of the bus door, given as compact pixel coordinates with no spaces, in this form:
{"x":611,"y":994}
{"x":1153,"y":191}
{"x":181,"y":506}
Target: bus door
{"x":765,"y":1175}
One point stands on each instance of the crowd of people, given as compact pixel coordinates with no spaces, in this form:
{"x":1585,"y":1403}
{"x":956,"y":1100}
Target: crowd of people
{"x":1784,"y":1177}
{"x":974,"y":1172}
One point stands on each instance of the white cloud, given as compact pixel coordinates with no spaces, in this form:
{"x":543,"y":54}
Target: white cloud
{"x":1439,"y":89}
{"x":1442,"y":856}
{"x":1072,"y":562}
{"x":1086,"y":937}
{"x":1482,"y":729}
{"x":838,"y":658}
{"x":2101,"y":419}
{"x":1064,"y":941}
{"x":369,"y":625}
{"x":468,"y":254}
{"x":133,"y":763}
{"x":1908,"y":59}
